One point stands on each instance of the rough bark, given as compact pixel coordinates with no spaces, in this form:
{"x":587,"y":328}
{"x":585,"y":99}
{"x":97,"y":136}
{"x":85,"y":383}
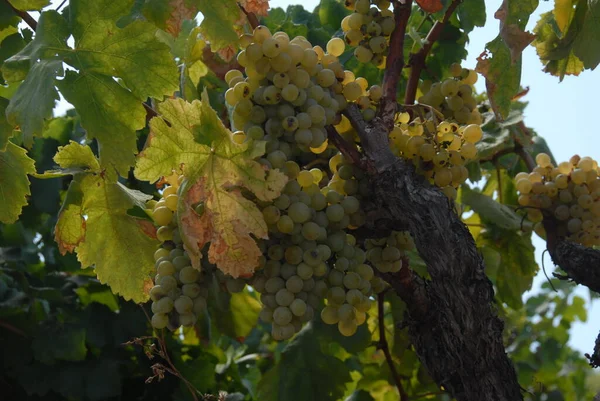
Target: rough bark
{"x":451,"y":318}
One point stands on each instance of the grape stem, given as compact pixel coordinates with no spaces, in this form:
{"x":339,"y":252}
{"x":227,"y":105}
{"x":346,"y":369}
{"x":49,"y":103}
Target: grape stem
{"x":383,"y":345}
{"x":417,"y":60}
{"x":394,"y":63}
{"x":347,"y":149}
{"x":252,"y":19}
{"x":24,"y":16}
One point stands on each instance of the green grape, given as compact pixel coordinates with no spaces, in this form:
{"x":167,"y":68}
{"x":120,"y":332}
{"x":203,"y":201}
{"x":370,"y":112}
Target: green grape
{"x":298,"y":307}
{"x":353,"y":37}
{"x":378,"y":44}
{"x":157,"y":292}
{"x":167,"y":283}
{"x":352,"y":280}
{"x":184,"y":304}
{"x":335,"y":213}
{"x":346,"y":312}
{"x":188,"y":275}
{"x":316,"y":113}
{"x":306,"y":271}
{"x":335,"y":47}
{"x":347,"y":327}
{"x":329,"y":315}
{"x":274,"y":284}
{"x":294,"y":283}
{"x":310,"y":230}
{"x":299,"y":212}
{"x":363,"y":54}
{"x":282,"y":315}
{"x":191,"y":290}
{"x":160,"y":320}
{"x":163,"y":305}
{"x":162,"y":216}
{"x":336,"y":295}
{"x":165,"y":268}
{"x":187,"y":320}
{"x":354,"y":297}
{"x":284,"y":297}
{"x":352,"y":91}
{"x":455,"y":103}
{"x":161,"y":253}
{"x":449,"y":87}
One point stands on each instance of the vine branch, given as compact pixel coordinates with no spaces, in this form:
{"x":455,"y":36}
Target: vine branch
{"x":394,"y":63}
{"x":347,"y":149}
{"x":24,"y":16}
{"x":383,"y":345}
{"x":417,"y":60}
{"x":252,"y":19}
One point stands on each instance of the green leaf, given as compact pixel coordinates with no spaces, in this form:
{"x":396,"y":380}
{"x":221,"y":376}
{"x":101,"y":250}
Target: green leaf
{"x":502,"y":76}
{"x":587,"y":44}
{"x":200,"y":371}
{"x":491,"y":210}
{"x":6,"y":130}
{"x":14,"y":184}
{"x":216,"y":168}
{"x":235,"y":315}
{"x":101,"y":294}
{"x":66,"y":343}
{"x":517,"y":267}
{"x":29,"y":5}
{"x":94,"y":222}
{"x":557,"y":53}
{"x":132,"y":53}
{"x":34,"y":100}
{"x":49,"y":42}
{"x":217,"y":24}
{"x":304,"y":372}
{"x":109,"y":113}
{"x":471,"y":14}
{"x":75,"y":155}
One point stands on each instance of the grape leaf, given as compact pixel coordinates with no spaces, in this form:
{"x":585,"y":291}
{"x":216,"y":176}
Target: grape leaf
{"x":471,"y":14}
{"x":490,"y":210}
{"x":6,"y":130}
{"x":502,"y":71}
{"x":304,"y":372}
{"x":66,"y":343}
{"x":109,"y":113}
{"x":14,"y":184}
{"x":94,"y":222}
{"x":216,"y":169}
{"x":132,"y":53}
{"x":587,"y":44}
{"x":29,"y":5}
{"x":234,"y":315}
{"x":562,"y":13}
{"x":217,"y":24}
{"x":517,"y":268}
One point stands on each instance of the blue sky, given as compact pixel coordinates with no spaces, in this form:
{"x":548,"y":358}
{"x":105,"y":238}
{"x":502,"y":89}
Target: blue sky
{"x":563,"y":113}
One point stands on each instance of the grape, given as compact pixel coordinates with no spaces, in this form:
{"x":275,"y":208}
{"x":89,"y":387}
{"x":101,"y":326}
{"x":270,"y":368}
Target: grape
{"x":352,"y":91}
{"x":162,"y":216}
{"x":167,"y":283}
{"x":329,"y":315}
{"x":335,"y":213}
{"x":294,"y":284}
{"x":347,"y":327}
{"x":543,"y":160}
{"x":335,"y":47}
{"x":163,"y":305}
{"x":299,"y":212}
{"x":159,"y":320}
{"x":284,"y":297}
{"x":346,"y":312}
{"x":449,"y":87}
{"x":282,"y":315}
{"x":363,"y":54}
{"x":188,"y":275}
{"x":298,"y":307}
{"x":184,"y":305}
{"x":325,"y":78}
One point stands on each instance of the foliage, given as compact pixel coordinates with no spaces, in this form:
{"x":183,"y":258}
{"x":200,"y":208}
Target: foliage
{"x":78,"y":239}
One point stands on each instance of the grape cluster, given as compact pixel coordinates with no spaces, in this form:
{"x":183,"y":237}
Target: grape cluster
{"x":310,"y":257}
{"x":438,"y":152}
{"x":180,"y":291}
{"x":569,"y":191}
{"x":368,"y":29}
{"x":387,"y":254}
{"x":453,"y":97}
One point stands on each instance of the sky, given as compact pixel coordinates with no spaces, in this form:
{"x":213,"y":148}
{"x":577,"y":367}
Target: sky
{"x":561,"y":112}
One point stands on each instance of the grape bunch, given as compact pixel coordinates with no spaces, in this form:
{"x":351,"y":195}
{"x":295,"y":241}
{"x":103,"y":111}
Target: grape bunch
{"x":387,"y":254}
{"x":368,"y":29}
{"x":310,"y":257}
{"x":180,"y":291}
{"x":438,"y":152}
{"x":569,"y":193}
{"x":453,"y":97}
